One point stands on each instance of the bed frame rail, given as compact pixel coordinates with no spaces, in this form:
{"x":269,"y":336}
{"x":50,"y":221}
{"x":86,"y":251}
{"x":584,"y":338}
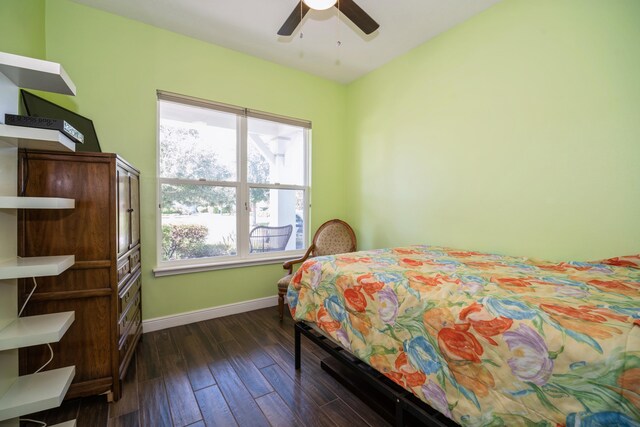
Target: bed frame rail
{"x":407,"y":409}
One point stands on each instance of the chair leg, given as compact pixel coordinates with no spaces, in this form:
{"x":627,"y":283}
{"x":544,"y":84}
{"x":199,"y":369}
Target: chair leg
{"x":281,"y":304}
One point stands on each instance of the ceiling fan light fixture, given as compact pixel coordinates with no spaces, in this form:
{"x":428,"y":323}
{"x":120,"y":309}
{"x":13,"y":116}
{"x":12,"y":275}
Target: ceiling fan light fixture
{"x":348,"y":8}
{"x":320,"y":4}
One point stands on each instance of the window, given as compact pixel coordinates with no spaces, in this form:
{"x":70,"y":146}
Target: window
{"x":233,"y":185}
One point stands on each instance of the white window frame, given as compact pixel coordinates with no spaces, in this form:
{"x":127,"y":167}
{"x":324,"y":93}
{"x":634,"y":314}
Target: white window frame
{"x":243,"y":257}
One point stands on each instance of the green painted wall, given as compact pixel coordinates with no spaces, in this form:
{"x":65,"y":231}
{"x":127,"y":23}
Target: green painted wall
{"x":117,"y":64}
{"x":22,"y":27}
{"x":516,"y":132}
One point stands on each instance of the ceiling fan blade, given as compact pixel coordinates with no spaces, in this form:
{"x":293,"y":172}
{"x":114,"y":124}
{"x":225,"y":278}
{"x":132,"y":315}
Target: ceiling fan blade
{"x":294,"y":19}
{"x":358,"y":16}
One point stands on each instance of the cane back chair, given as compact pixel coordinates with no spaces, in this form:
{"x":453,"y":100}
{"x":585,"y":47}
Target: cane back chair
{"x":333,"y":237}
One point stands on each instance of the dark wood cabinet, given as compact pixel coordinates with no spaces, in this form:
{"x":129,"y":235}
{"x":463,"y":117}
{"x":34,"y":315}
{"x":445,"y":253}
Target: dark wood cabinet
{"x":134,"y":215}
{"x":128,"y":209}
{"x":103,"y":287}
{"x":124,"y":207}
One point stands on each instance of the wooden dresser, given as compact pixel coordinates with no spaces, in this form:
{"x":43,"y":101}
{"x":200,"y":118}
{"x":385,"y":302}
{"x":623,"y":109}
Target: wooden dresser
{"x":103,"y":287}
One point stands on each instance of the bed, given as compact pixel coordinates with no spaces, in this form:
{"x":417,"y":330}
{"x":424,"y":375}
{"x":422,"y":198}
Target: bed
{"x":486,"y":339}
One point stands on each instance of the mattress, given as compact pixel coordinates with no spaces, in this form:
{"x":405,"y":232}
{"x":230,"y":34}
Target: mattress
{"x":486,"y":339}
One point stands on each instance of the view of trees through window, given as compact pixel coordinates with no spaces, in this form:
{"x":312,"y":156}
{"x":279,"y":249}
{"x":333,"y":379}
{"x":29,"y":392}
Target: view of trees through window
{"x":200,"y":185}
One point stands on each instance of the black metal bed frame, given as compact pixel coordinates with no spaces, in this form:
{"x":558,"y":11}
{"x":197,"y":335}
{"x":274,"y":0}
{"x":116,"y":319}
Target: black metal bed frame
{"x":407,"y":409}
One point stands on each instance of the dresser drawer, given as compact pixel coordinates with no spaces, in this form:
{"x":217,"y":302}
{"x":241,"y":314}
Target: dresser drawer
{"x":129,"y":338}
{"x":128,"y":317}
{"x":128,"y":293}
{"x":134,"y":260}
{"x":123,"y":270}
{"x":126,"y":352}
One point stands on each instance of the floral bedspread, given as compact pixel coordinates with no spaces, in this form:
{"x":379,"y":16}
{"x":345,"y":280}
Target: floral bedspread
{"x":487,"y":340}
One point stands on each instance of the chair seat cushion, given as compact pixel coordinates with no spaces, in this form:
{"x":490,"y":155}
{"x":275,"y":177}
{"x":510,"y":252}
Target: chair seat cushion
{"x":284,"y":282}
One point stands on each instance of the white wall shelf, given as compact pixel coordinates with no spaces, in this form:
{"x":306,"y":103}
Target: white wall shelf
{"x":45,"y":390}
{"x":36,"y":139}
{"x":14,"y":202}
{"x":36,"y":392}
{"x":31,"y":73}
{"x":34,"y":330}
{"x":17,"y":268}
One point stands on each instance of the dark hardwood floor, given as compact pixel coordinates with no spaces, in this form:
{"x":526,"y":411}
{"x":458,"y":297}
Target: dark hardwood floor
{"x":231,"y":371}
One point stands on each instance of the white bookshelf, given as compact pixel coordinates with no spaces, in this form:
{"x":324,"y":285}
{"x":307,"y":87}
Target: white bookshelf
{"x":16,"y":202}
{"x":36,"y":74}
{"x":34,"y":330}
{"x":36,"y":392}
{"x":22,"y":395}
{"x":20,"y":268}
{"x":36,"y":139}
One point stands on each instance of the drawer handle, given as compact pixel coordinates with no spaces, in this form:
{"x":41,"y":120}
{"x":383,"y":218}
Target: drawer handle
{"x":123,"y":270}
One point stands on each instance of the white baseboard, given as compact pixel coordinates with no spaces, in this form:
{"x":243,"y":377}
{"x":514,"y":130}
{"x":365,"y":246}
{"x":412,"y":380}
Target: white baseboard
{"x":180,"y":319}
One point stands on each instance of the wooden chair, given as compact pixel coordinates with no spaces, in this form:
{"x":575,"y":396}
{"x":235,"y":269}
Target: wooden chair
{"x":269,"y":239}
{"x":332,"y":238}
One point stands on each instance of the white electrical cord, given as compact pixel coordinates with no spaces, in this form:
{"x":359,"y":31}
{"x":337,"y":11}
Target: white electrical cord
{"x":48,"y":361}
{"x":35,"y":285}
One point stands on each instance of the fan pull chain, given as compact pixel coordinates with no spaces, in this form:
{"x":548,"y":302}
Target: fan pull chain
{"x":301,"y":55}
{"x":338,"y":42}
{"x":301,"y":16}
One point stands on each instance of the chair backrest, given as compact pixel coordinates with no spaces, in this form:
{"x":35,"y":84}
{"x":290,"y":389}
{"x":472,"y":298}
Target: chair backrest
{"x":334,"y":237}
{"x":269,"y":239}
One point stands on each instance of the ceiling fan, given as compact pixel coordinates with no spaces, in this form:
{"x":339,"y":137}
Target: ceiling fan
{"x":348,"y":7}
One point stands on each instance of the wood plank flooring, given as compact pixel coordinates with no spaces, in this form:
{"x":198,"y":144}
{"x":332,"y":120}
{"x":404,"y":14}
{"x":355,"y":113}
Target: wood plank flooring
{"x":231,"y":371}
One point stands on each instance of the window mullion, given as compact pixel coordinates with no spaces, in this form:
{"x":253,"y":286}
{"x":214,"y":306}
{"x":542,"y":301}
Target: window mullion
{"x":277,"y":186}
{"x":307,"y":183}
{"x":243,"y":190}
{"x":181,"y":181}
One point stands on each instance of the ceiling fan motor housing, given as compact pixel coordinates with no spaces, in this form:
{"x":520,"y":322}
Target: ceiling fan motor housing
{"x":320,"y":4}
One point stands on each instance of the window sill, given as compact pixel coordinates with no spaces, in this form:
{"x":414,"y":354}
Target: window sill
{"x":197,"y":268}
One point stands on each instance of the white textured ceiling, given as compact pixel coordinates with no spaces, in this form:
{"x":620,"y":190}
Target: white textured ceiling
{"x":250,"y":26}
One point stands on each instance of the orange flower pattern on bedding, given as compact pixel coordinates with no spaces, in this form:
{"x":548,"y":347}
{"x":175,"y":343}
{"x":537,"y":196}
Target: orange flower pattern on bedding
{"x":487,"y":340}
